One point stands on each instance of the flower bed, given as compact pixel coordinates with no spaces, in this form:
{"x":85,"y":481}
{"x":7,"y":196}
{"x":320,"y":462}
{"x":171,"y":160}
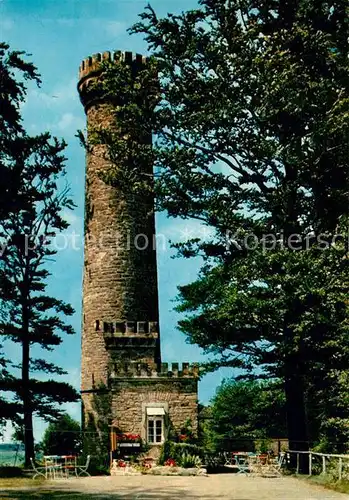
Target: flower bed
{"x":119,"y":467}
{"x":128,"y":437}
{"x":170,"y":470}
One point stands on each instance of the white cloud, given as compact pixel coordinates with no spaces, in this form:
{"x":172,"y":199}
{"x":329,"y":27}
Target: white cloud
{"x":73,"y":237}
{"x":66,"y":121}
{"x":74,"y":220}
{"x":73,"y":409}
{"x":69,"y":123}
{"x":61,"y":95}
{"x":73,"y":377}
{"x":66,"y":92}
{"x":114,"y":28}
{"x":6,"y":24}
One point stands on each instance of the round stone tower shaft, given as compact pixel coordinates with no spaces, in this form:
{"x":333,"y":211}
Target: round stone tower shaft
{"x":120,"y":294}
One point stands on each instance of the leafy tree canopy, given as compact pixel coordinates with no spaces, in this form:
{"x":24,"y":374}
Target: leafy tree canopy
{"x":246,"y":411}
{"x":62,"y":437}
{"x":250,"y":123}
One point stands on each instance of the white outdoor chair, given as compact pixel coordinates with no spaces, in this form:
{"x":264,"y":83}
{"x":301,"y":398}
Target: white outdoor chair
{"x":242,"y":464}
{"x":82,"y":469}
{"x":278,"y":464}
{"x":39,"y":471}
{"x":273,"y":469}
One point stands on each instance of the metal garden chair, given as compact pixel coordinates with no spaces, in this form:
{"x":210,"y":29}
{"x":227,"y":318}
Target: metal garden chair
{"x":39,"y":471}
{"x":82,"y":469}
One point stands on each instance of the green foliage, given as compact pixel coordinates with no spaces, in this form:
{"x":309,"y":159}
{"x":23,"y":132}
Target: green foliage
{"x":62,"y":437}
{"x":187,"y":461}
{"x":334,"y":436}
{"x":31,"y":215}
{"x":167,"y":451}
{"x":206,"y":436}
{"x":241,"y":412}
{"x":263,"y":446}
{"x":187,"y":448}
{"x":187,"y":433}
{"x":176,"y":451}
{"x":97,"y":431}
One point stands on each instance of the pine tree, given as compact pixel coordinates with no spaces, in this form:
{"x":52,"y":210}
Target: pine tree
{"x":31,"y":216}
{"x":13,"y":93}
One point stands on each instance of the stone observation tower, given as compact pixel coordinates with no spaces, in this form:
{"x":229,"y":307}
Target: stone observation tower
{"x":125,"y":387}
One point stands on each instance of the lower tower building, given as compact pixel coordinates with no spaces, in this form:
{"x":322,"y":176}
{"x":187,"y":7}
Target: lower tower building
{"x":125,"y":388}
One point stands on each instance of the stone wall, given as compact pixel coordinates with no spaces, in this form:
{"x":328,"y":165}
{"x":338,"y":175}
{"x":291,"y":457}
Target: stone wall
{"x":96,"y":418}
{"x":130,"y":396}
{"x":123,"y":406}
{"x":120,"y":276}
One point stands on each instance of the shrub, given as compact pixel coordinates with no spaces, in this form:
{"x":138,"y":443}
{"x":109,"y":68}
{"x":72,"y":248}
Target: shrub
{"x":99,"y":465}
{"x":9,"y":472}
{"x":176,"y":450}
{"x":189,"y":449}
{"x":186,"y":434}
{"x":263,"y":445}
{"x":188,"y":461}
{"x":167,"y":451}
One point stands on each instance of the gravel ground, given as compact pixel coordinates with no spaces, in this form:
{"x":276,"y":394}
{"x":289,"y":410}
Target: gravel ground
{"x":219,"y":486}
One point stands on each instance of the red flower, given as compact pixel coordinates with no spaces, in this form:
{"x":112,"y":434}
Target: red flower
{"x":128,"y":436}
{"x":171,"y":462}
{"x":183,"y":437}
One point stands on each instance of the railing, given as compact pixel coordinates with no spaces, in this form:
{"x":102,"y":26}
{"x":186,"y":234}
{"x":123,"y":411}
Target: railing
{"x":12,"y":456}
{"x":325,"y":460}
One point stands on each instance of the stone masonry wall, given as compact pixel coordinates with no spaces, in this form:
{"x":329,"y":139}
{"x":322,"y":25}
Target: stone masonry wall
{"x":128,"y":396}
{"x":120,"y":281}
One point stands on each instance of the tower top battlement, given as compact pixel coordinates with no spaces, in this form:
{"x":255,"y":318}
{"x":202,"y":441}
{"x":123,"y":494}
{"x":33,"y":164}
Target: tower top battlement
{"x":91,"y":67}
{"x":93,"y":63}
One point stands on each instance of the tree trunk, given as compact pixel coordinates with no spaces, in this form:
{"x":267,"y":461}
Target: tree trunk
{"x":297,"y":427}
{"x":26,"y":395}
{"x":296,"y":414}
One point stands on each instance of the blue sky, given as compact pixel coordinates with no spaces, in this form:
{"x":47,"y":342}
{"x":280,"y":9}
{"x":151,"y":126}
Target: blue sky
{"x":59,"y":34}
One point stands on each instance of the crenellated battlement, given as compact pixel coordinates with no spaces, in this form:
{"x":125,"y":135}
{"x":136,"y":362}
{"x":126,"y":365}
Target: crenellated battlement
{"x":93,"y":63}
{"x":127,"y":328}
{"x":151,"y":370}
{"x":91,"y":69}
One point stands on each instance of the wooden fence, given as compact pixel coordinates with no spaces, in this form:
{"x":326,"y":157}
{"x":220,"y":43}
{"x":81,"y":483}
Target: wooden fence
{"x":325,"y":459}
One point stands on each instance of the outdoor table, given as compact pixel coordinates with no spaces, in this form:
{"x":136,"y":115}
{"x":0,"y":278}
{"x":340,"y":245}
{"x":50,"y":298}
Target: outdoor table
{"x":70,"y":464}
{"x":52,"y":466}
{"x":264,"y":465}
{"x":60,"y":465}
